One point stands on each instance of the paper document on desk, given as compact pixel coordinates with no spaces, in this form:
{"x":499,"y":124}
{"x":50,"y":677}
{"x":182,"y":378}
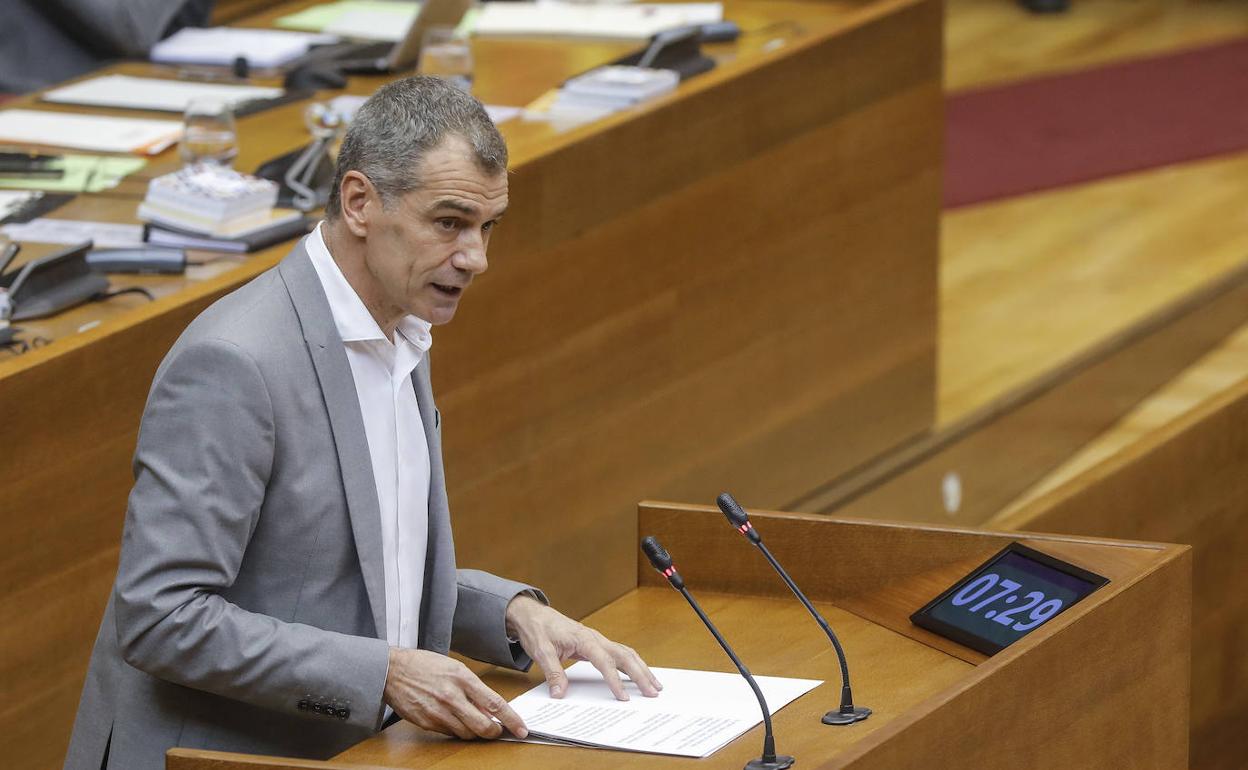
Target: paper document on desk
{"x":135,"y":93}
{"x":88,"y":132}
{"x":325,"y":17}
{"x":105,"y":235}
{"x":82,"y":173}
{"x":696,"y":714}
{"x":222,"y":45}
{"x":629,"y":22}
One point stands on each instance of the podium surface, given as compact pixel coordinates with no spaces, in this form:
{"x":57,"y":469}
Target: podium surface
{"x":1105,"y":681}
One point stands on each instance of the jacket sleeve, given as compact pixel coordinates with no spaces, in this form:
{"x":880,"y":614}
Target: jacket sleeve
{"x":203,"y":461}
{"x":124,"y":27}
{"x":480,"y":626}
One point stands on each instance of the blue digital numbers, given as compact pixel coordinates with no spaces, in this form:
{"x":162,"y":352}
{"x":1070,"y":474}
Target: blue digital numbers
{"x":996,"y":604}
{"x":1035,"y":604}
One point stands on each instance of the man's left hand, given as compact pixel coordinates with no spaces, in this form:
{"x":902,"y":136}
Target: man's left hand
{"x":550,"y":637}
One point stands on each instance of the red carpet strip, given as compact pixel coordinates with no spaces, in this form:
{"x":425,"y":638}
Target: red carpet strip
{"x":1066,"y":129}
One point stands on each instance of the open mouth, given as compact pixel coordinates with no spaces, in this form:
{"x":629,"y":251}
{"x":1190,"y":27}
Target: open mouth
{"x":450,"y":291}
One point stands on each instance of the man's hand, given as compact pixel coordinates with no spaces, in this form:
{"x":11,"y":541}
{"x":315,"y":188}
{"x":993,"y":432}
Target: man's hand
{"x":550,"y":637}
{"x":440,"y":694}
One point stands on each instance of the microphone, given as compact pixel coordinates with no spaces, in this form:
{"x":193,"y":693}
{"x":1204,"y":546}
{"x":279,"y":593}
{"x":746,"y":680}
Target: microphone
{"x":847,"y":714}
{"x":661,"y":561}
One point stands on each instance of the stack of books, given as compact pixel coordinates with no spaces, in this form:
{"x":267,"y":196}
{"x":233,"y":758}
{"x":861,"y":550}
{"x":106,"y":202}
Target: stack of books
{"x":609,"y":89}
{"x":212,"y":207}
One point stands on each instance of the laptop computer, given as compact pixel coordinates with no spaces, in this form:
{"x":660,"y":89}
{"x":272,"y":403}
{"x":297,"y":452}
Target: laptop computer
{"x":391,"y":58}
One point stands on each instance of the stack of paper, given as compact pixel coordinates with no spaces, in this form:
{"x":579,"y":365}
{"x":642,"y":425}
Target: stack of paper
{"x":602,"y":91}
{"x":88,"y":132}
{"x":634,"y":21}
{"x":209,"y":199}
{"x":153,"y":93}
{"x":696,"y":714}
{"x":222,"y":45}
{"x":104,"y":235}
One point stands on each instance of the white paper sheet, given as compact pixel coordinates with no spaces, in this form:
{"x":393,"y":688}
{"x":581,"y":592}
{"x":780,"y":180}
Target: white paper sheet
{"x":88,"y":132}
{"x":12,"y":202}
{"x":632,"y":22}
{"x":106,"y":235}
{"x":222,"y":45}
{"x":372,"y":24}
{"x":697,"y":713}
{"x":153,"y":93}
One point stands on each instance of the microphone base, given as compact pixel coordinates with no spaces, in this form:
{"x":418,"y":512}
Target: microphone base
{"x":846,"y":718}
{"x":780,"y":763}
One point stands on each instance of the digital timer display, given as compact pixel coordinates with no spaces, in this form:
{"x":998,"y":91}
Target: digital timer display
{"x":1010,"y":595}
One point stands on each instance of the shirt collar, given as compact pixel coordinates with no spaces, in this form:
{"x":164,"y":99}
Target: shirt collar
{"x":351,"y":317}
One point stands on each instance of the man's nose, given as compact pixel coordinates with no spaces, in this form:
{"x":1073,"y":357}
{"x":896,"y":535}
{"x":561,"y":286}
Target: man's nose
{"x":471,"y":255}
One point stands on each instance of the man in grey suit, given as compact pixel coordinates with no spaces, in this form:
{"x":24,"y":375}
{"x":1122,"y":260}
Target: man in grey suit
{"x":287,"y":578}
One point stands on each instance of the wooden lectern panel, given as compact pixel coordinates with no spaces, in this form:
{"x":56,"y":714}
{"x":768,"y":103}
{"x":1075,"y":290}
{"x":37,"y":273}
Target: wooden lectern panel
{"x":1186,"y":483}
{"x":1105,"y":682}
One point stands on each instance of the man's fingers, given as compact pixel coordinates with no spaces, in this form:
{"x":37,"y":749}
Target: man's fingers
{"x":476,"y":720}
{"x":632,"y":664}
{"x":491,"y":704}
{"x":605,"y":664}
{"x":544,"y":655}
{"x":439,"y":719}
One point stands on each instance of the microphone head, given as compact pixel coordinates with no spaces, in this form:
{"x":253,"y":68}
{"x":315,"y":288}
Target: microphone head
{"x":657,"y":554}
{"x":732,"y":509}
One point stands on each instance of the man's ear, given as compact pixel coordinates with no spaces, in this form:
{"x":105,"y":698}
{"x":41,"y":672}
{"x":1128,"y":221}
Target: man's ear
{"x":359,"y":199}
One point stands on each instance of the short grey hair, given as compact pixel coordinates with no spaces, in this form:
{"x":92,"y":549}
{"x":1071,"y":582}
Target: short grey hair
{"x":403,"y":120}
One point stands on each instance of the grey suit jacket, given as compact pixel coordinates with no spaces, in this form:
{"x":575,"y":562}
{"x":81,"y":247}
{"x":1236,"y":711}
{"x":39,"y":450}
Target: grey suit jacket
{"x":248,"y":610}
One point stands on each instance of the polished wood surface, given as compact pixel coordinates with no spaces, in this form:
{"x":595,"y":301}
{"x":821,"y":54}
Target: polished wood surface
{"x":645,"y":328}
{"x":989,"y":42}
{"x":1028,"y":283}
{"x":996,"y":453}
{"x":927,"y":703}
{"x":1195,"y":467}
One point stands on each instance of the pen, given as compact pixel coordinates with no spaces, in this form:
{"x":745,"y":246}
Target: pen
{"x":8,"y":155}
{"x":204,"y":74}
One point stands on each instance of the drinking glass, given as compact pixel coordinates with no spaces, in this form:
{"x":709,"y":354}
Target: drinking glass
{"x":208,"y":133}
{"x":446,"y":54}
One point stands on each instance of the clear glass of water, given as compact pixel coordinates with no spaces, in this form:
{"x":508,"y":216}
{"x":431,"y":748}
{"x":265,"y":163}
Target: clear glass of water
{"x":446,"y":54}
{"x":208,"y":133}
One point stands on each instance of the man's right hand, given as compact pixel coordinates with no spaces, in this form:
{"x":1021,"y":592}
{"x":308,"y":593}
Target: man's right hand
{"x":439,"y":693}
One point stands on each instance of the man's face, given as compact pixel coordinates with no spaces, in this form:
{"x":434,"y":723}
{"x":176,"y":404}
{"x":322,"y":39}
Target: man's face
{"x":424,"y":251}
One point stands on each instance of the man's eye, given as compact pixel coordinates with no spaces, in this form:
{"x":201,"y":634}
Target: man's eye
{"x":447,"y":223}
{"x":488,"y":226}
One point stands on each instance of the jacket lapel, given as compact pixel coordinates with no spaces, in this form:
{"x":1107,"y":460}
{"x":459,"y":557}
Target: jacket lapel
{"x":338,"y":391}
{"x":438,"y":602}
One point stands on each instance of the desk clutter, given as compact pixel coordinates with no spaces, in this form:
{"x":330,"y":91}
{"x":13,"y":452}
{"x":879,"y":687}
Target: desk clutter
{"x":208,"y":206}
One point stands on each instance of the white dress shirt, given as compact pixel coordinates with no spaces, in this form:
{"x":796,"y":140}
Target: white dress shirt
{"x":396,"y":437}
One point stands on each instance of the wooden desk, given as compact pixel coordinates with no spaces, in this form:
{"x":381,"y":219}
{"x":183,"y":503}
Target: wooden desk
{"x":736,"y":281}
{"x":1085,"y":690}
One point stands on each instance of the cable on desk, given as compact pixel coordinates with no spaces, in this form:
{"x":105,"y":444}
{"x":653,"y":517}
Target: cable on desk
{"x":104,"y":295}
{"x":16,"y":347}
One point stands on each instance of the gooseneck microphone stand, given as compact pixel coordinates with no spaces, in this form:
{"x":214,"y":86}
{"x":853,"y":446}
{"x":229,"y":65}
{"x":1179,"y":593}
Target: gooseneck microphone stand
{"x":661,"y":561}
{"x":847,"y":713}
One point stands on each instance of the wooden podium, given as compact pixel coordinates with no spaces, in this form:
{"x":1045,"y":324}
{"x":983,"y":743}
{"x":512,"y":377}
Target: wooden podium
{"x":1105,"y":682}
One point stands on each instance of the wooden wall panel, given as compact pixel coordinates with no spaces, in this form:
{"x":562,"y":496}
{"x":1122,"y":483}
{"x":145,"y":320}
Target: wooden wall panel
{"x":759,"y":312}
